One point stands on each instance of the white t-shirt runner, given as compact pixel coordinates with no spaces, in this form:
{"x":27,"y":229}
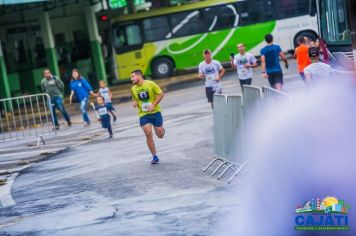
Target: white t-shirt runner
{"x":211,"y":72}
{"x":104,"y":92}
{"x":319,"y":71}
{"x":240,"y":61}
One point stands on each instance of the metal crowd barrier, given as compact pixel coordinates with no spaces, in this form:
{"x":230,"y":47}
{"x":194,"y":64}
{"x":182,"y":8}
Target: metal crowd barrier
{"x":231,"y":130}
{"x":271,"y":96}
{"x":26,"y":117}
{"x":252,"y":97}
{"x":228,"y":123}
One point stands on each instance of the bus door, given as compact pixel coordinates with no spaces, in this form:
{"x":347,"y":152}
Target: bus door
{"x":336,"y":31}
{"x":128,"y":46}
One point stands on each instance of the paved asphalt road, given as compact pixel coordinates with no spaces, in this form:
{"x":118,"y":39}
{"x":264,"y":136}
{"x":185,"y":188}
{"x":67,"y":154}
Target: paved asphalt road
{"x":108,"y":187}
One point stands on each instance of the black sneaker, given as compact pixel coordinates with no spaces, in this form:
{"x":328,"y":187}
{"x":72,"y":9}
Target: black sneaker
{"x":111,"y":136}
{"x":115,"y":117}
{"x":69,"y":123}
{"x":56,"y":127}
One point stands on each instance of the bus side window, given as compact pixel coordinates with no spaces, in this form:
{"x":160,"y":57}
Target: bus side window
{"x":133,"y":35}
{"x":260,"y":11}
{"x":187,"y":23}
{"x":119,"y":39}
{"x":127,"y":35}
{"x":220,"y":17}
{"x":156,"y":28}
{"x":286,"y":9}
{"x":242,"y":9}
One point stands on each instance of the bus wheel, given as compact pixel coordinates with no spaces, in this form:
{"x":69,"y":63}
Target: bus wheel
{"x":162,"y":67}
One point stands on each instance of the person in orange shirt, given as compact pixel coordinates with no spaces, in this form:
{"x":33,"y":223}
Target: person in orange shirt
{"x":302,"y":56}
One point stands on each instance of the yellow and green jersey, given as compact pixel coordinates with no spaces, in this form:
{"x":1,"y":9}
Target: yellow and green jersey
{"x":145,"y":95}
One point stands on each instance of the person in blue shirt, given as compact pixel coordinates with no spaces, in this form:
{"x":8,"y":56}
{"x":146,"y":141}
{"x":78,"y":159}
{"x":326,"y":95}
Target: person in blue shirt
{"x":103,"y":109}
{"x":82,"y":89}
{"x":271,"y":69}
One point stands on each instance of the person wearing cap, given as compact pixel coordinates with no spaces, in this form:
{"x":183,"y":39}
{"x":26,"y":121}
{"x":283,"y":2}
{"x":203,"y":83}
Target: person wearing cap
{"x":317,"y":70}
{"x":212,"y":71}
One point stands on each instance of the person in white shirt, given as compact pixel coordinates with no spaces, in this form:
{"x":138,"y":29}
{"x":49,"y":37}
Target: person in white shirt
{"x":243,"y":63}
{"x":212,"y":71}
{"x":105,"y":92}
{"x":317,"y":71}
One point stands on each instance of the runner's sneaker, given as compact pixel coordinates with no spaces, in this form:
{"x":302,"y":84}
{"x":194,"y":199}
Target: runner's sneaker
{"x":115,"y":118}
{"x":155,"y":160}
{"x":111,"y":135}
{"x":69,"y":123}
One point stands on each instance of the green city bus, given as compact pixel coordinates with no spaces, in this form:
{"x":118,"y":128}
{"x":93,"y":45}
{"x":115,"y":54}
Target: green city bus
{"x":165,"y":40}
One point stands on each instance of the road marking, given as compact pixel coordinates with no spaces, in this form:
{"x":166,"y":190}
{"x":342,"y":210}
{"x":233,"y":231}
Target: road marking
{"x":5,"y":192}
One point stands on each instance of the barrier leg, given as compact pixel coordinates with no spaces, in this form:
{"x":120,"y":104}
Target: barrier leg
{"x":210,"y":164}
{"x":217,"y":169}
{"x":39,"y":140}
{"x":224,"y":171}
{"x":237,"y":171}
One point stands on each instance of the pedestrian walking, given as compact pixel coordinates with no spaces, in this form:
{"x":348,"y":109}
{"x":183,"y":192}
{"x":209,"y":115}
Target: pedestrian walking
{"x":54,"y":87}
{"x":243,"y":62}
{"x":81,"y":89}
{"x":301,"y":54}
{"x":103,"y":110}
{"x":271,"y":69}
{"x":105,"y":92}
{"x":146,"y":96}
{"x":212,"y":71}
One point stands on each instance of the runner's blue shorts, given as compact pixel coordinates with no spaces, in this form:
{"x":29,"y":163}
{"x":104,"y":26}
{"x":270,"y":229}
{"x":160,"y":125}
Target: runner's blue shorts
{"x":155,"y":119}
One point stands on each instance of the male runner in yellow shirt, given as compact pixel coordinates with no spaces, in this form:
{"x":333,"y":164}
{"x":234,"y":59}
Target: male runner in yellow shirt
{"x":146,"y":96}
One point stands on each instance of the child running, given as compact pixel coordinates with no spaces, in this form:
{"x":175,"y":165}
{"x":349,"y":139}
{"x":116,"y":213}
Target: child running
{"x":105,"y":92}
{"x":103,"y":110}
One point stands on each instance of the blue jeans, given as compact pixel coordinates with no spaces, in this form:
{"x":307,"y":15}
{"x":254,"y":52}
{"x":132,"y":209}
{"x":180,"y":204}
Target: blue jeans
{"x":83,"y":108}
{"x":56,"y":102}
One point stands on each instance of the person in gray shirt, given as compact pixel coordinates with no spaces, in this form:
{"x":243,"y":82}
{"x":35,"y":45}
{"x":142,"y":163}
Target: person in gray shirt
{"x":54,"y":87}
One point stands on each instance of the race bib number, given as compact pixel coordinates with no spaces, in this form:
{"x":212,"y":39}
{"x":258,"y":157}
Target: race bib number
{"x":242,"y":70}
{"x":210,"y":77}
{"x":145,"y":106}
{"x":103,"y":111}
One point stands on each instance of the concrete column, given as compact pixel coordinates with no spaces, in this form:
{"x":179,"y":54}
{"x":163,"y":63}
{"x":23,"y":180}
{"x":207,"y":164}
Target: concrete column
{"x":5,"y":91}
{"x":48,"y":40}
{"x":95,"y":43}
{"x":4,"y":83}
